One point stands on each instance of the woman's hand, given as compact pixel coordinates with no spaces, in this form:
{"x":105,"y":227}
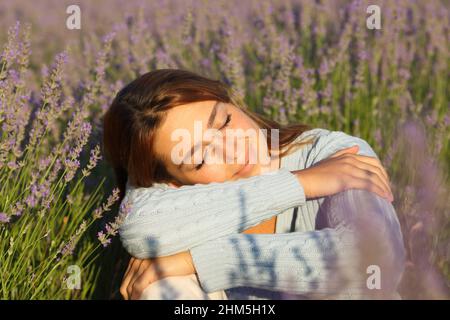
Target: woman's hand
{"x":142,"y":272}
{"x":345,"y":170}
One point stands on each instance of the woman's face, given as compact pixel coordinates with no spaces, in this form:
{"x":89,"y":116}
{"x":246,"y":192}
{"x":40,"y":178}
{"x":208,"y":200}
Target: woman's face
{"x":210,"y":141}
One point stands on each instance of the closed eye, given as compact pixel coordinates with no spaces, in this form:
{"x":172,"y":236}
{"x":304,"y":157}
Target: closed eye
{"x":227,"y":122}
{"x":199,"y":166}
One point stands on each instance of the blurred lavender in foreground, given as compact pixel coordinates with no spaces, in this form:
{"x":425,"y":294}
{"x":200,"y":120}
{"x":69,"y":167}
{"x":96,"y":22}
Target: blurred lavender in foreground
{"x":294,"y":61}
{"x":424,"y":210}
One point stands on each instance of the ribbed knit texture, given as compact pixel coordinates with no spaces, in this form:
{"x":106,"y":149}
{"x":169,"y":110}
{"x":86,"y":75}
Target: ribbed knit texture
{"x":166,"y":220}
{"x":208,"y":219}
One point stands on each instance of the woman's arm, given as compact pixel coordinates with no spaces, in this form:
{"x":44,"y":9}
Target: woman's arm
{"x":165,"y":220}
{"x":360,"y":235}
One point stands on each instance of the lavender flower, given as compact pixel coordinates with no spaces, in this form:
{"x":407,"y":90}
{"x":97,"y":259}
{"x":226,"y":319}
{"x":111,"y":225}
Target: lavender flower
{"x":71,"y":166}
{"x":50,"y":96}
{"x":4,"y":218}
{"x":68,"y":248}
{"x":98,"y":213}
{"x":113,"y":227}
{"x":11,"y":49}
{"x":95,"y":156}
{"x":103,"y":239}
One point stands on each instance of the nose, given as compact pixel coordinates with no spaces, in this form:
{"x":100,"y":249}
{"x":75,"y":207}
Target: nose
{"x":229,"y":148}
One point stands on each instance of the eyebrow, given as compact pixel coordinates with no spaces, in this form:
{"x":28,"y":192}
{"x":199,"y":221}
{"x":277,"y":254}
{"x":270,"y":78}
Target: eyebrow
{"x":211,"y":119}
{"x":212,"y":116}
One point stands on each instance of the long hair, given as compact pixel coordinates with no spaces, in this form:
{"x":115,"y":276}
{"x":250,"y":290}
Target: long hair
{"x":139,"y":108}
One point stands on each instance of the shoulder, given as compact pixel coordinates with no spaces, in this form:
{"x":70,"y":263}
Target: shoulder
{"x":334,"y":140}
{"x":307,"y":140}
{"x":319,"y":133}
{"x":319,"y":143}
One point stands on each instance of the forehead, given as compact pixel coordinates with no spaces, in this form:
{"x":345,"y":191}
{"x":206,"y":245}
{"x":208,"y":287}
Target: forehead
{"x":181,"y":117}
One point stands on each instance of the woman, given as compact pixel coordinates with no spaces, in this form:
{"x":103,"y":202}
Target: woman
{"x":199,"y":216}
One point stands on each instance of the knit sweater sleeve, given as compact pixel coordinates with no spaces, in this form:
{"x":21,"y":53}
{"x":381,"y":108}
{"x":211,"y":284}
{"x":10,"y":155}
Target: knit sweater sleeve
{"x":359,"y":237}
{"x":163,"y":220}
{"x":320,"y":263}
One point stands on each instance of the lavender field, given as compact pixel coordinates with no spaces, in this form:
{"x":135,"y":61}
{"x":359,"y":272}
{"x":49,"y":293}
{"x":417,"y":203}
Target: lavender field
{"x":313,"y":62}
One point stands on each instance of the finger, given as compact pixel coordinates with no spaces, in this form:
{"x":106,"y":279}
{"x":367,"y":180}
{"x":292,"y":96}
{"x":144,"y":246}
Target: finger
{"x":365,"y":184}
{"x":130,"y":263}
{"x":376,"y":162}
{"x":374,"y":180}
{"x":142,"y":267}
{"x":376,"y":170}
{"x":129,"y":268}
{"x":123,"y":288}
{"x":132,"y":276}
{"x":352,"y":149}
{"x":142,"y":282}
{"x":127,"y":277}
{"x":132,"y":266}
{"x":373,"y":161}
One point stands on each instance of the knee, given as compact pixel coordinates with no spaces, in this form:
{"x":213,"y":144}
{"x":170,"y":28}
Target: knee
{"x":376,"y":228}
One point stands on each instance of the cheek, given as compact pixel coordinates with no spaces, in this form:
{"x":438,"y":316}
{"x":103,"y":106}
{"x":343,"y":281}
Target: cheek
{"x":213,"y":173}
{"x":242,"y":121}
{"x":250,"y":123}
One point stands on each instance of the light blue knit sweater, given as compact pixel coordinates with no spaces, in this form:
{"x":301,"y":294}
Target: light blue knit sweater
{"x":318,"y":251}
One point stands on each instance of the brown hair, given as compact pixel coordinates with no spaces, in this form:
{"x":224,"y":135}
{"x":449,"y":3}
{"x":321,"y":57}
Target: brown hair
{"x":140,"y":107}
